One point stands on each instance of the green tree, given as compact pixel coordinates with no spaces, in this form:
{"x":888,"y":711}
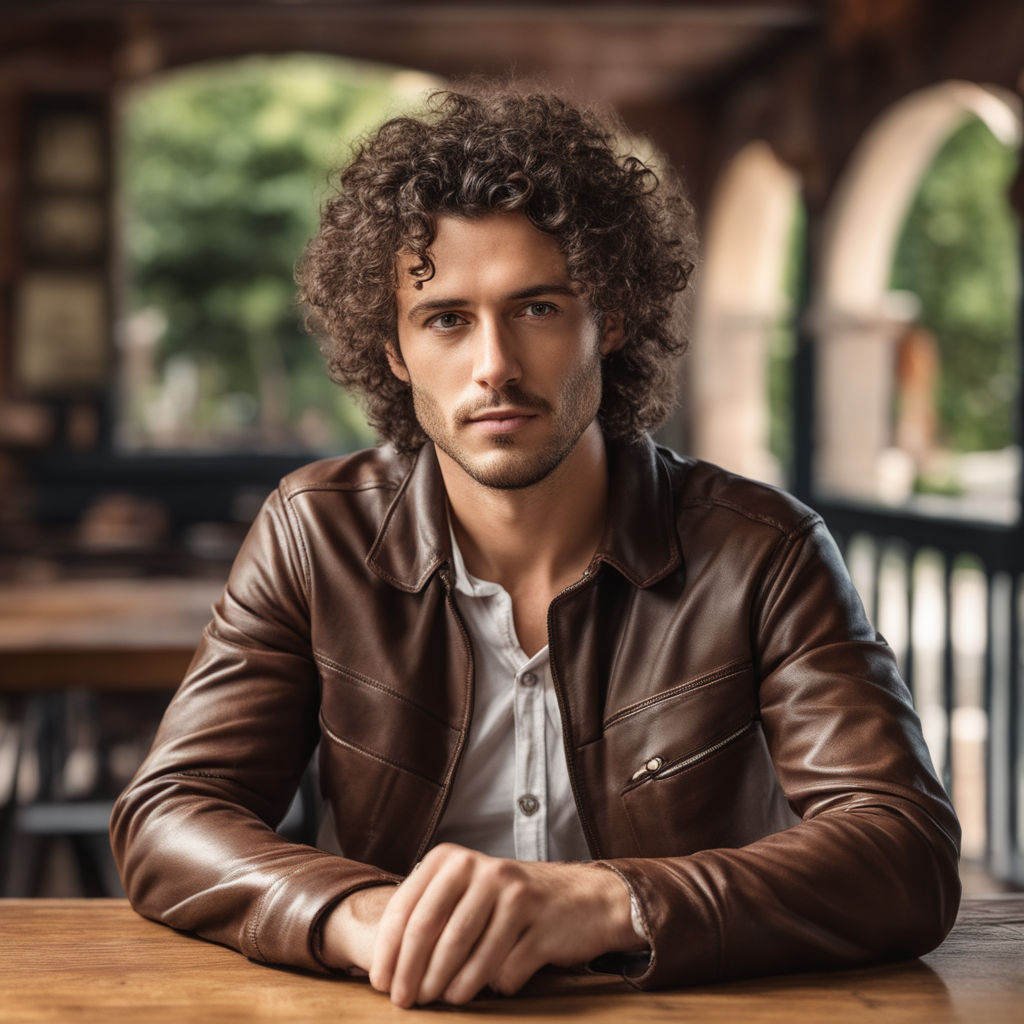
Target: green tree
{"x":223,"y":166}
{"x":958,"y":253}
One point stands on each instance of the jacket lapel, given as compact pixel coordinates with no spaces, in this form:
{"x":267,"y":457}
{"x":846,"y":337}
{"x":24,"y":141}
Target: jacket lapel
{"x":413,"y":539}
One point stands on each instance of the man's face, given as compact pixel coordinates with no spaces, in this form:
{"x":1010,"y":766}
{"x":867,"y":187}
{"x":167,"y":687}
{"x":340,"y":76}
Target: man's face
{"x":503,"y":356}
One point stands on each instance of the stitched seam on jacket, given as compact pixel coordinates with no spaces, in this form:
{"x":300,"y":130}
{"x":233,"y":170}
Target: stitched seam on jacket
{"x":773,"y":568}
{"x":198,"y":773}
{"x":212,"y":636}
{"x":753,"y":516}
{"x":693,"y":684}
{"x":373,"y":754}
{"x":453,"y":762}
{"x":381,"y":687}
{"x":890,"y":809}
{"x":195,"y":773}
{"x":369,"y":485}
{"x":627,"y":571}
{"x":257,"y":918}
{"x":307,"y":568}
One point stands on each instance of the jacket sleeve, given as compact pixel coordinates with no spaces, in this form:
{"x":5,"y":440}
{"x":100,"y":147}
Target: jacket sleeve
{"x":193,"y":834}
{"x":869,"y":873}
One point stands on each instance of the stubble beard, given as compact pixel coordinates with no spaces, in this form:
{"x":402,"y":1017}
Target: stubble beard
{"x":520,"y":465}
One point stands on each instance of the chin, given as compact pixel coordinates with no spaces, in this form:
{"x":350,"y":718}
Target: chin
{"x":509,"y":470}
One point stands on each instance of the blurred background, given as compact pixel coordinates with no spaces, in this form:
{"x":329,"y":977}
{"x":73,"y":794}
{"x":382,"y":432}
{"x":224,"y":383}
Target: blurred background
{"x":855,"y":330}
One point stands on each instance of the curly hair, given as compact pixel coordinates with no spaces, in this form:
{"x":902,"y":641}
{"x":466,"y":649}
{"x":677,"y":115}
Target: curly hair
{"x":627,"y":238}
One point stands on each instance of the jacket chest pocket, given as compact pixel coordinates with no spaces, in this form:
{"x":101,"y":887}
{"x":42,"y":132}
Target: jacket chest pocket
{"x":725,"y":795}
{"x":693,"y":767}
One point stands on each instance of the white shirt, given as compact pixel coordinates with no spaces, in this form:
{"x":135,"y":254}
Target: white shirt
{"x":511,"y":796}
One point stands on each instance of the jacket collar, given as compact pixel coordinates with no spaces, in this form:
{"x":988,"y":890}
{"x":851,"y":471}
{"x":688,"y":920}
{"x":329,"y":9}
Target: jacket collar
{"x":639,"y":541}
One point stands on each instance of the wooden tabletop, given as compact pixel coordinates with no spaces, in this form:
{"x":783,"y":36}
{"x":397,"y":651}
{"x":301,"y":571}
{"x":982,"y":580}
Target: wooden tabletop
{"x":78,"y":960}
{"x":109,"y":633}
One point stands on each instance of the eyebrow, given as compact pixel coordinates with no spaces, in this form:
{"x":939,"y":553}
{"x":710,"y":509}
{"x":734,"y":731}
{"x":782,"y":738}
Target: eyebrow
{"x":437,"y":305}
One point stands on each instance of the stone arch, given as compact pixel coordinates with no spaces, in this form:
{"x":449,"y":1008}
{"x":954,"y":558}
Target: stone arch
{"x":855,"y":317}
{"x":741,"y":299}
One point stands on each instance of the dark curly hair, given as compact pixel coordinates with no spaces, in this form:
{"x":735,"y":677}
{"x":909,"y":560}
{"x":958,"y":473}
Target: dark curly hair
{"x":627,"y":239}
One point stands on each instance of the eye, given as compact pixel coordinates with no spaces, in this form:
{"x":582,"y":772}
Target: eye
{"x":447,"y":321}
{"x":540,"y":309}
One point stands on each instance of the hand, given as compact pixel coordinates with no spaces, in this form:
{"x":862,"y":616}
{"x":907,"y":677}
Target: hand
{"x":462,"y":920}
{"x":350,"y":930}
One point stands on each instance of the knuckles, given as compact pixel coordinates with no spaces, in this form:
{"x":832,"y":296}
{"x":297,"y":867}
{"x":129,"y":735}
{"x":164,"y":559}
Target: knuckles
{"x":518,"y":899}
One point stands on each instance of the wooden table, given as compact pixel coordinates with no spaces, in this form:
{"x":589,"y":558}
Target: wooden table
{"x":78,"y":960}
{"x":133,"y":634}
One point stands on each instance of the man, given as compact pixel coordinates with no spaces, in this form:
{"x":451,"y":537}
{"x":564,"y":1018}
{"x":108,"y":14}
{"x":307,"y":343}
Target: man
{"x":576,"y":698}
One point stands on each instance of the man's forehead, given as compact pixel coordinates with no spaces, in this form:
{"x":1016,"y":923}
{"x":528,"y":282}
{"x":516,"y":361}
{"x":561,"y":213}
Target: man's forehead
{"x":500,"y":250}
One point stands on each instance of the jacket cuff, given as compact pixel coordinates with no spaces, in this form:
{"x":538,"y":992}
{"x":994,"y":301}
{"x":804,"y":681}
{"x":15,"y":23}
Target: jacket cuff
{"x":283,"y":929}
{"x":683,"y":951}
{"x":627,"y":964}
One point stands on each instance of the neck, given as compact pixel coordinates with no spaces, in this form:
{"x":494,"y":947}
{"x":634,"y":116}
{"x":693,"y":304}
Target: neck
{"x":546,"y":533}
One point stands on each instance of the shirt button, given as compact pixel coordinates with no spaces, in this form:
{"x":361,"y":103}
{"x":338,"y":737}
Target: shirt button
{"x":528,"y":804}
{"x":529,"y":679}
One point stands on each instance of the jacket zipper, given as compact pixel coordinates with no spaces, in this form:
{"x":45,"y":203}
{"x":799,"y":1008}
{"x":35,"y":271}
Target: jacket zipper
{"x":446,"y":789}
{"x":570,"y":756}
{"x":655,"y":767}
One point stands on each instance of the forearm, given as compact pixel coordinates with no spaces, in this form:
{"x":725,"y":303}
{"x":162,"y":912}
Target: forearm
{"x":847,"y":888}
{"x":194,"y":860}
{"x":193,"y":834}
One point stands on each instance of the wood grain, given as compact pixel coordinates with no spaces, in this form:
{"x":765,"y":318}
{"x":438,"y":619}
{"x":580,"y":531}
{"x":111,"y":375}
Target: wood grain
{"x":79,"y":960}
{"x":135,"y":634}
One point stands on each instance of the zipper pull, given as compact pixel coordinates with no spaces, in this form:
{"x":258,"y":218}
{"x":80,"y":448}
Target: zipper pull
{"x":653,"y":765}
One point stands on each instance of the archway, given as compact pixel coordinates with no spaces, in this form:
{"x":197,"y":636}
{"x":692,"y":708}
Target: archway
{"x":742,"y":301}
{"x":856,"y":318}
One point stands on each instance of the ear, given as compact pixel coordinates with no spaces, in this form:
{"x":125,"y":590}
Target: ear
{"x":612,"y":333}
{"x":395,"y":362}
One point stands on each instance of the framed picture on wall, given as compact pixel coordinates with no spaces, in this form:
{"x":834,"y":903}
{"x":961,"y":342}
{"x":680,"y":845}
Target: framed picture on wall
{"x":63,"y":228}
{"x":60,"y":333}
{"x":66,"y":150}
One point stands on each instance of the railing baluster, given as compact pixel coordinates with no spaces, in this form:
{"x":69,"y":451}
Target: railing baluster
{"x":1013,"y":725}
{"x":876,"y":574}
{"x":988,"y":669}
{"x":908,"y":660}
{"x":947,"y":670}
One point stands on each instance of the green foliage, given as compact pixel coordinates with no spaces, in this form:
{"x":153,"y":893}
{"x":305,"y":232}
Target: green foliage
{"x":958,"y":253}
{"x":223,"y":167}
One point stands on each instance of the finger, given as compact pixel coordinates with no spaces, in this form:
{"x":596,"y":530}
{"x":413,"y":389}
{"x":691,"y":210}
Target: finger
{"x":467,"y":923}
{"x":392,"y":924}
{"x":423,"y":928}
{"x":505,"y":929}
{"x":523,"y":960}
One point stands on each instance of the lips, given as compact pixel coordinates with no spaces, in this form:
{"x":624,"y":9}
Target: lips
{"x":500,"y":421}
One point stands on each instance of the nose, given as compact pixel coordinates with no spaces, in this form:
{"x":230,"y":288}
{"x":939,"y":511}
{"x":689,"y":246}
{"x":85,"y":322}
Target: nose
{"x":495,"y":364}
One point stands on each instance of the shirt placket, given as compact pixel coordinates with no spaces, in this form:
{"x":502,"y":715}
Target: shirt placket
{"x":530,"y":813}
{"x":531,"y":810}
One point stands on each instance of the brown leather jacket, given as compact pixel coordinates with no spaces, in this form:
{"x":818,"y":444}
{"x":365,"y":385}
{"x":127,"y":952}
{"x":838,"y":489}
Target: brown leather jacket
{"x":741,"y":748}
